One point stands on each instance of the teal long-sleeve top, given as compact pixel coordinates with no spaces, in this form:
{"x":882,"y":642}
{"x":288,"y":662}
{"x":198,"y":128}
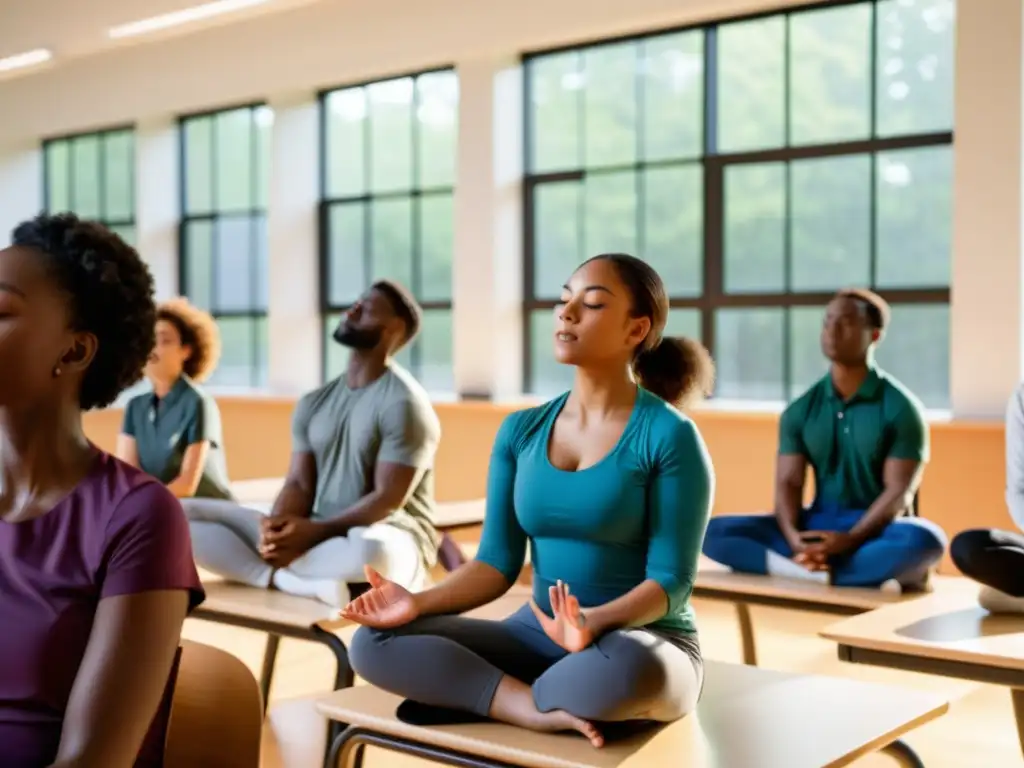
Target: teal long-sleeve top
{"x":640,"y":513}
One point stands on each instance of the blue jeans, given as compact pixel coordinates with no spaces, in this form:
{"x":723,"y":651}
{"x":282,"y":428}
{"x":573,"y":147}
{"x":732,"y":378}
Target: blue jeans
{"x":904,"y":550}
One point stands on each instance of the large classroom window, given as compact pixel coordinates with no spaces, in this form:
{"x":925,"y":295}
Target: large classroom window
{"x":93,"y":175}
{"x":386,"y":211}
{"x":223,"y":239}
{"x":758,"y":164}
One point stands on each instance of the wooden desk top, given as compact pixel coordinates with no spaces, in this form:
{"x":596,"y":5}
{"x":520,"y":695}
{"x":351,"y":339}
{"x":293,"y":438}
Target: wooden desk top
{"x":268,"y":605}
{"x":747,"y":716}
{"x":948,"y":626}
{"x":753,"y":586}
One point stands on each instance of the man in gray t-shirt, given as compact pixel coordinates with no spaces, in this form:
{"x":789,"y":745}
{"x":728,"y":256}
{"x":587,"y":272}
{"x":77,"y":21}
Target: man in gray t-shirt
{"x":360,"y":487}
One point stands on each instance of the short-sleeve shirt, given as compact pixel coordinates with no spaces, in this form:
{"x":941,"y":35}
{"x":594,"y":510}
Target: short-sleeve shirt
{"x":164,"y":428}
{"x":119,"y":532}
{"x":349,"y":431}
{"x":847,"y":442}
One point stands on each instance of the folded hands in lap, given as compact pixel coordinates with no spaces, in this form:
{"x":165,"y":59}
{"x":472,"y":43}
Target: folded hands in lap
{"x":283,"y":540}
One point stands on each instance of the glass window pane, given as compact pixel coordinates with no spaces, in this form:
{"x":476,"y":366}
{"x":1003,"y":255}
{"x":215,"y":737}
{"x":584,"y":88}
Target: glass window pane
{"x":238,"y":361}
{"x":672,"y":74}
{"x":807,"y":363}
{"x":437,"y":122}
{"x":557,"y":243}
{"x":830,"y":222}
{"x":346,"y":252}
{"x":345,"y":120}
{"x":609,"y":103}
{"x":198,"y":165}
{"x":673,"y":223}
{"x":751,"y":84}
{"x":119,"y":181}
{"x":830,"y":74}
{"x":234,"y":265}
{"x":915,"y":66}
{"x":236,"y":175}
{"x":749,"y":353}
{"x":754,"y":230}
{"x":609,"y":214}
{"x":915,"y":350}
{"x":914,"y":214}
{"x":547,"y":376}
{"x":434,"y":351}
{"x":261,"y":264}
{"x":128,"y":235}
{"x":58,"y":176}
{"x":391,"y":243}
{"x":683,"y":322}
{"x":264,"y":119}
{"x":391,"y":106}
{"x":199,"y":263}
{"x":554,"y":84}
{"x":335,"y":355}
{"x":85,"y":192}
{"x":437,"y":246}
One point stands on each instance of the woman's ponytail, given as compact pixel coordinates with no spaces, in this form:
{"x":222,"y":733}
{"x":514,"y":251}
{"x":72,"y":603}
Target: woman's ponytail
{"x":677,"y":369}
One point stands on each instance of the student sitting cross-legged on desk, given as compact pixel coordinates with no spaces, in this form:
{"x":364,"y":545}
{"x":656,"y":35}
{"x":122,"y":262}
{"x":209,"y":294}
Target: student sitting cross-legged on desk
{"x":611,"y":488}
{"x":995,"y":558}
{"x":360,"y":488}
{"x":174,"y":432}
{"x":865,"y":437}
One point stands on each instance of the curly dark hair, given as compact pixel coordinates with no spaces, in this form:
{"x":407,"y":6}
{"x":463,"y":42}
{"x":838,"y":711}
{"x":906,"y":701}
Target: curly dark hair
{"x":196,"y":329}
{"x":110,"y":295}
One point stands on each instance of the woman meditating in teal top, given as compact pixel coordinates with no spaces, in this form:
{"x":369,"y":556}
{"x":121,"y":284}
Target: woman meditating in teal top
{"x":174,"y":432}
{"x":611,"y":486}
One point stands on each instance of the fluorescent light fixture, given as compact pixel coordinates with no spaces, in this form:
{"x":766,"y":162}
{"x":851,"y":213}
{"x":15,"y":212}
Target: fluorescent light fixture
{"x":27,"y":59}
{"x":184,"y":16}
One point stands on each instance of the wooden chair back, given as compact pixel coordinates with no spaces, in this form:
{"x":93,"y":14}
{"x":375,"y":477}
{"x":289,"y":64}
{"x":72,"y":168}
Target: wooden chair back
{"x":216,"y":714}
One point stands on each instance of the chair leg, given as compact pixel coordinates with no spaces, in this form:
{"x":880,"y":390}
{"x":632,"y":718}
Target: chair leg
{"x":747,"y":634}
{"x":267,"y":675}
{"x":904,"y":754}
{"x":1017,"y":695}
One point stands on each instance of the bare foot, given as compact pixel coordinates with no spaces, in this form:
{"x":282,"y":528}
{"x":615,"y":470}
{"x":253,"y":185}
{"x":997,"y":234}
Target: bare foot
{"x":513,"y":703}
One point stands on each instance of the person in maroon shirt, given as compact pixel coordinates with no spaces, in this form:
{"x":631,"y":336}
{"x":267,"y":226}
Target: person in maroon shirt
{"x":96,"y":569}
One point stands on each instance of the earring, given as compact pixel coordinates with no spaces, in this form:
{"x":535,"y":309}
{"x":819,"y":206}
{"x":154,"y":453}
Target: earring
{"x":56,"y":371}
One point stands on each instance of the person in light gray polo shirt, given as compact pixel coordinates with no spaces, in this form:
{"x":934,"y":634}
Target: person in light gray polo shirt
{"x":360,"y":488}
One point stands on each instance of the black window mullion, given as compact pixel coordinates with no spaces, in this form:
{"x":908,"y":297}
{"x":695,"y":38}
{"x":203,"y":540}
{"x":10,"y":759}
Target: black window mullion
{"x":101,"y":177}
{"x":367,"y":188}
{"x":873,"y":123}
{"x":415,"y":212}
{"x":640,"y":177}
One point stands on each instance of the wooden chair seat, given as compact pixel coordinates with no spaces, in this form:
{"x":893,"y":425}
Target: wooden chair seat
{"x":747,"y":717}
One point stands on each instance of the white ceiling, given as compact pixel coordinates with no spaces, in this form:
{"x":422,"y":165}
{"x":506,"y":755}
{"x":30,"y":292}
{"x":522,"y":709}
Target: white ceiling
{"x":74,"y":28}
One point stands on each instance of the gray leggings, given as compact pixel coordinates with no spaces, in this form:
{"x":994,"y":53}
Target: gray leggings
{"x":457,"y":662}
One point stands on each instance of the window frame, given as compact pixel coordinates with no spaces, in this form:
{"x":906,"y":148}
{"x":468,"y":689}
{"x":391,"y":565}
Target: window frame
{"x":327,"y":202}
{"x":257,"y":217}
{"x":713,"y":296}
{"x":101,"y":134}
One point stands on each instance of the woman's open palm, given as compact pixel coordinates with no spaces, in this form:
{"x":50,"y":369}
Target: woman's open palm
{"x":384,"y":606}
{"x":569,"y":627}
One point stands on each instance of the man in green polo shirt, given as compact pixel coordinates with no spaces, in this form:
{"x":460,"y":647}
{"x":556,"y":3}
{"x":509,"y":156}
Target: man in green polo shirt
{"x":864,"y":436}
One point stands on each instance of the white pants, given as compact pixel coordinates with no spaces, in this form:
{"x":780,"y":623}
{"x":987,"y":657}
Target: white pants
{"x":226,"y":539}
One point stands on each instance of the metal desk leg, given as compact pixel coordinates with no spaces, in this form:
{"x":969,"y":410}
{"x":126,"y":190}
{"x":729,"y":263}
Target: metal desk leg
{"x":267,"y":674}
{"x":344,"y":677}
{"x":1018,"y":711}
{"x":350,"y":744}
{"x":904,"y":754}
{"x":747,"y":634}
